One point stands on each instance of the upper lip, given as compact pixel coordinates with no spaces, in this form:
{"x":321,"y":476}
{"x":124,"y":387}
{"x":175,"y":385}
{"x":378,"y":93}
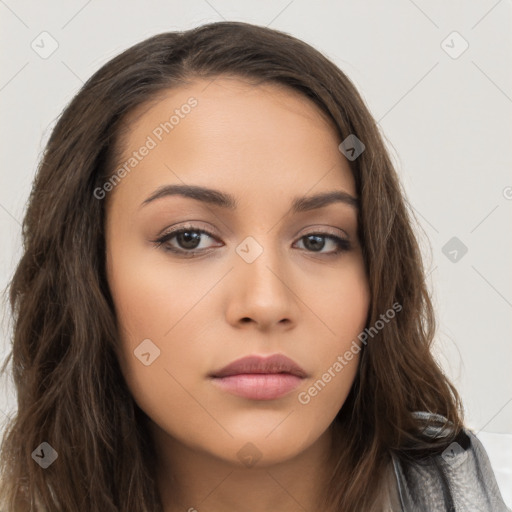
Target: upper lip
{"x":277,"y":363}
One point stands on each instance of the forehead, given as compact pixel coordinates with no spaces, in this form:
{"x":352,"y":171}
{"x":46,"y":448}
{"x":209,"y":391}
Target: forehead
{"x":229,"y":134}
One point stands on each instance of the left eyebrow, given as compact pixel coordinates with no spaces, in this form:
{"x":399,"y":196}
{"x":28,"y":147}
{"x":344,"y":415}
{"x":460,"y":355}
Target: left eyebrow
{"x":227,"y":201}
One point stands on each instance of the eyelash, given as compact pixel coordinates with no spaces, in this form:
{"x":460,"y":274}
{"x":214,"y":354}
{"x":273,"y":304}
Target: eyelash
{"x":343,"y":244}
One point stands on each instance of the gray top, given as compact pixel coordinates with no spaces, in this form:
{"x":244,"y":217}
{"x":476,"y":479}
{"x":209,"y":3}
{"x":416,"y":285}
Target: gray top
{"x":458,"y":480}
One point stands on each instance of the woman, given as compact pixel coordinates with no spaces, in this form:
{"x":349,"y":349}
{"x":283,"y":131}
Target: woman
{"x":221,"y":302}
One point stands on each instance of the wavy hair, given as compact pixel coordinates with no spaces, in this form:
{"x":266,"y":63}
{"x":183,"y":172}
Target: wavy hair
{"x":70,"y":389}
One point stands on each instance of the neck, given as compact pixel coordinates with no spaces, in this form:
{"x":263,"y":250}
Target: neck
{"x":190,"y":480}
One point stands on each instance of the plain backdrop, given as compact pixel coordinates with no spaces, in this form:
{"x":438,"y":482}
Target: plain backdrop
{"x":436,"y":76}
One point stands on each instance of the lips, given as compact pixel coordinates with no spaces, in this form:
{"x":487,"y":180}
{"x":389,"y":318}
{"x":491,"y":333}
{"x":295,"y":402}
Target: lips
{"x":259,"y":378}
{"x":277,"y":363}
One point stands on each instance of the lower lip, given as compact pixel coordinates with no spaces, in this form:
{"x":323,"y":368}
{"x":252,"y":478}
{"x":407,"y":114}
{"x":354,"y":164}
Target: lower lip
{"x":259,"y":386}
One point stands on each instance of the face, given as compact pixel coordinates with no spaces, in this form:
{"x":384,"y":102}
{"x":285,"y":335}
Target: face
{"x":253,"y":273}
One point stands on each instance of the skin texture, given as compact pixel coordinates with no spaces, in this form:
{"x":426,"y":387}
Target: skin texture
{"x":265,"y":145}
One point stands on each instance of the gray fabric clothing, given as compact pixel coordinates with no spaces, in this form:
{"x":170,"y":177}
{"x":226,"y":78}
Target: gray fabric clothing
{"x":458,"y":480}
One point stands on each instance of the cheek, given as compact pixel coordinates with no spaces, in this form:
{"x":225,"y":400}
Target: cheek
{"x":341,"y":306}
{"x":343,"y":312}
{"x":151,"y":299}
{"x":161,"y":341}
{"x":157,"y":348}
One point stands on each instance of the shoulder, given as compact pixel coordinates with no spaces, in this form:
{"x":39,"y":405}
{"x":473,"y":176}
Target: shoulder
{"x":459,"y":478}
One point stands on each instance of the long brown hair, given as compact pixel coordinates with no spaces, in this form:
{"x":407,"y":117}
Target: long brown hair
{"x":70,"y":390}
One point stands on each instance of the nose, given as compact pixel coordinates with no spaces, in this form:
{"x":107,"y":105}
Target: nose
{"x":262,"y":289}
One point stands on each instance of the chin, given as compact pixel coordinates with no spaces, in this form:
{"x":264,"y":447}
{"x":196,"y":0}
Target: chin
{"x":262,"y":450}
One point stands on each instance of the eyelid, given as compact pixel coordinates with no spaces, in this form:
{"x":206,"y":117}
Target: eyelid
{"x":331,"y":230}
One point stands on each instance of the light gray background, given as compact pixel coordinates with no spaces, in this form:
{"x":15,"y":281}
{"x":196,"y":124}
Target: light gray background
{"x":447,"y":118}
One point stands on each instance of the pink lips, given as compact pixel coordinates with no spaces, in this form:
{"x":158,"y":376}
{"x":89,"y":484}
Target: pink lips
{"x":259,"y":378}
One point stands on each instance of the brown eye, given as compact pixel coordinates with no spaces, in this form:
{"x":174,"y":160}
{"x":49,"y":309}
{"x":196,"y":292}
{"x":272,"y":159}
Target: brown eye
{"x":315,"y":242}
{"x":187,"y":240}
